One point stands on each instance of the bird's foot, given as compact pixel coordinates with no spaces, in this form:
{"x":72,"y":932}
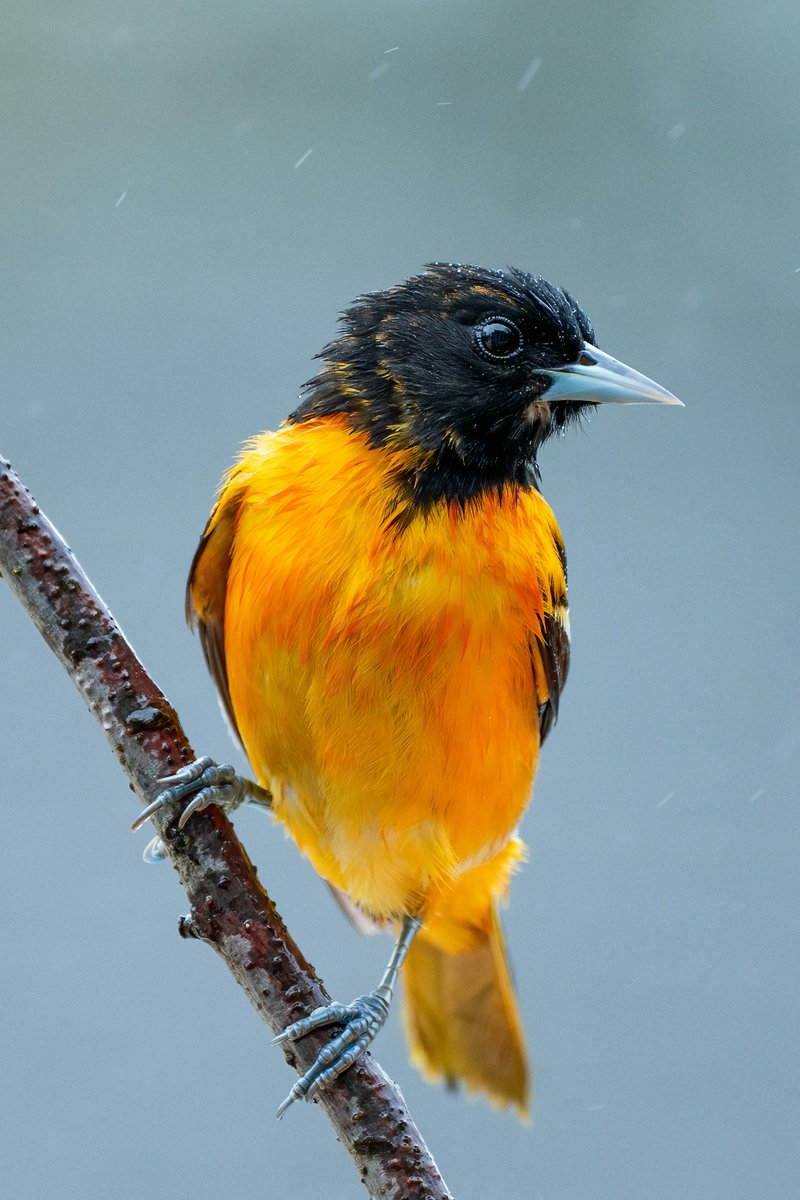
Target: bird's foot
{"x":362,"y":1020}
{"x":203,"y":783}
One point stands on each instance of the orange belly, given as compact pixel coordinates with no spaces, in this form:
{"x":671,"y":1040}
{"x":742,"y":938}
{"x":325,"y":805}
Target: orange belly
{"x":381,"y":676}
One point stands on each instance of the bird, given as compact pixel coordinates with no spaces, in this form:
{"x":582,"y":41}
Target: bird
{"x":381,"y":597}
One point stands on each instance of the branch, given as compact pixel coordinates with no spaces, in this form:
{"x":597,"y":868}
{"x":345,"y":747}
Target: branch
{"x":229,"y":907}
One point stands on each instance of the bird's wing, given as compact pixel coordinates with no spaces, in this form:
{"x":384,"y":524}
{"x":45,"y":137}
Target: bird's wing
{"x":207,"y":587}
{"x":550,"y":657}
{"x":361,"y":921}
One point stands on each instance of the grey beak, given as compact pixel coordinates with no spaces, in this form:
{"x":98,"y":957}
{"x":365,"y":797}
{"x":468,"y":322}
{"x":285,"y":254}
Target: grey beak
{"x":597,"y":378}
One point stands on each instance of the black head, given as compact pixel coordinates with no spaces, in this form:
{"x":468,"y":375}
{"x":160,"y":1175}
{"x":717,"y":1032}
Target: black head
{"x":453,"y":368}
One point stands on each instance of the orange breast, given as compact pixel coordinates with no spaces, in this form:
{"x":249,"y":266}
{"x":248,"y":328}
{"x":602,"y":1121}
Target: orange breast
{"x":381,"y":676}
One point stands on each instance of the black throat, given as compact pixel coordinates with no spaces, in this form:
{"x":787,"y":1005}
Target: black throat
{"x":435,"y":465}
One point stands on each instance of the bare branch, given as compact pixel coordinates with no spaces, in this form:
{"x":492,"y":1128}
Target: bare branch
{"x":229,"y":907}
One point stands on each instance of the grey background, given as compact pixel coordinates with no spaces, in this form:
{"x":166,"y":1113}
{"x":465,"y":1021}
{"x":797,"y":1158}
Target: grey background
{"x":168,"y":272}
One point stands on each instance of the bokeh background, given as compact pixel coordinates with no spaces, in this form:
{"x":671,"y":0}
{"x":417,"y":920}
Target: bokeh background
{"x":190,"y":193}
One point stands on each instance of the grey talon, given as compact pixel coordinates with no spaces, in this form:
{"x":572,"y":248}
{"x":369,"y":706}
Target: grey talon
{"x":295,"y":1094}
{"x":155,"y":851}
{"x":206,"y":783}
{"x":362,"y":1020}
{"x":147,"y":813}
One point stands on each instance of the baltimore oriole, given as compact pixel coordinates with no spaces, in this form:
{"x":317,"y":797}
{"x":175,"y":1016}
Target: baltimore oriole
{"x":381,"y":595}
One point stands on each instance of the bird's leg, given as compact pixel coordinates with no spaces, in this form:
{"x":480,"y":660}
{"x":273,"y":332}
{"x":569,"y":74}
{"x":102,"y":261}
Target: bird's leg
{"x":362,"y":1020}
{"x":206,"y":783}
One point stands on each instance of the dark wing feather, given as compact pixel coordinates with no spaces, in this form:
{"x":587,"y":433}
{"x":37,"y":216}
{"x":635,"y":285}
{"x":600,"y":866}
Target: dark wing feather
{"x":206,"y":590}
{"x":361,"y":921}
{"x":553,"y":655}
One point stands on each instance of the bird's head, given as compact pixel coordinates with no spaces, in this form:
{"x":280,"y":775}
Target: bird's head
{"x":466,"y":372}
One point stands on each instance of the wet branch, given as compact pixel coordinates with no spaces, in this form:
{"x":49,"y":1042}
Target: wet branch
{"x":229,"y":907}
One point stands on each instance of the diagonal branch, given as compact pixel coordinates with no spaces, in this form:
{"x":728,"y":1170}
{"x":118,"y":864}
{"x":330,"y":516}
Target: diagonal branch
{"x":229,"y":907}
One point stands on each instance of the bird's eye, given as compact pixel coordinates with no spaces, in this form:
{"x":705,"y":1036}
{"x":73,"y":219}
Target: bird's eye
{"x":498,"y":339}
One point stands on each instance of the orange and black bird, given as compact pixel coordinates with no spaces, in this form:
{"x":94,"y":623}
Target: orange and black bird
{"x":381,"y":596}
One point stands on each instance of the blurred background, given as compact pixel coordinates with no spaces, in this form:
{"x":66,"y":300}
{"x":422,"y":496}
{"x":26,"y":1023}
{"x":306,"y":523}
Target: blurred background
{"x":191,"y":192}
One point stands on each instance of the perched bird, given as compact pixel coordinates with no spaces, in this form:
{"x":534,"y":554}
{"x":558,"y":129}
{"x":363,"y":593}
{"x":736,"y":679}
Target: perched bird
{"x":381,"y":595}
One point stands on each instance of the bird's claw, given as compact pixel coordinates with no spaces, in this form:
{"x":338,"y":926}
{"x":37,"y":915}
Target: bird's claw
{"x":155,"y":851}
{"x":362,"y":1020}
{"x":205,"y":782}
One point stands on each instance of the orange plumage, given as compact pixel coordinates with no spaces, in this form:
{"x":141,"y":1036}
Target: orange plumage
{"x":381,"y":682}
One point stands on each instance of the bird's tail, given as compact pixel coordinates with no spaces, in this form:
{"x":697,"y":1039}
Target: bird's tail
{"x":461,"y":1016}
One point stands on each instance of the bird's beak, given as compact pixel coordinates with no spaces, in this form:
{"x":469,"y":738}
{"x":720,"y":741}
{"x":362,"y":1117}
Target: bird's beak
{"x":597,"y":378}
